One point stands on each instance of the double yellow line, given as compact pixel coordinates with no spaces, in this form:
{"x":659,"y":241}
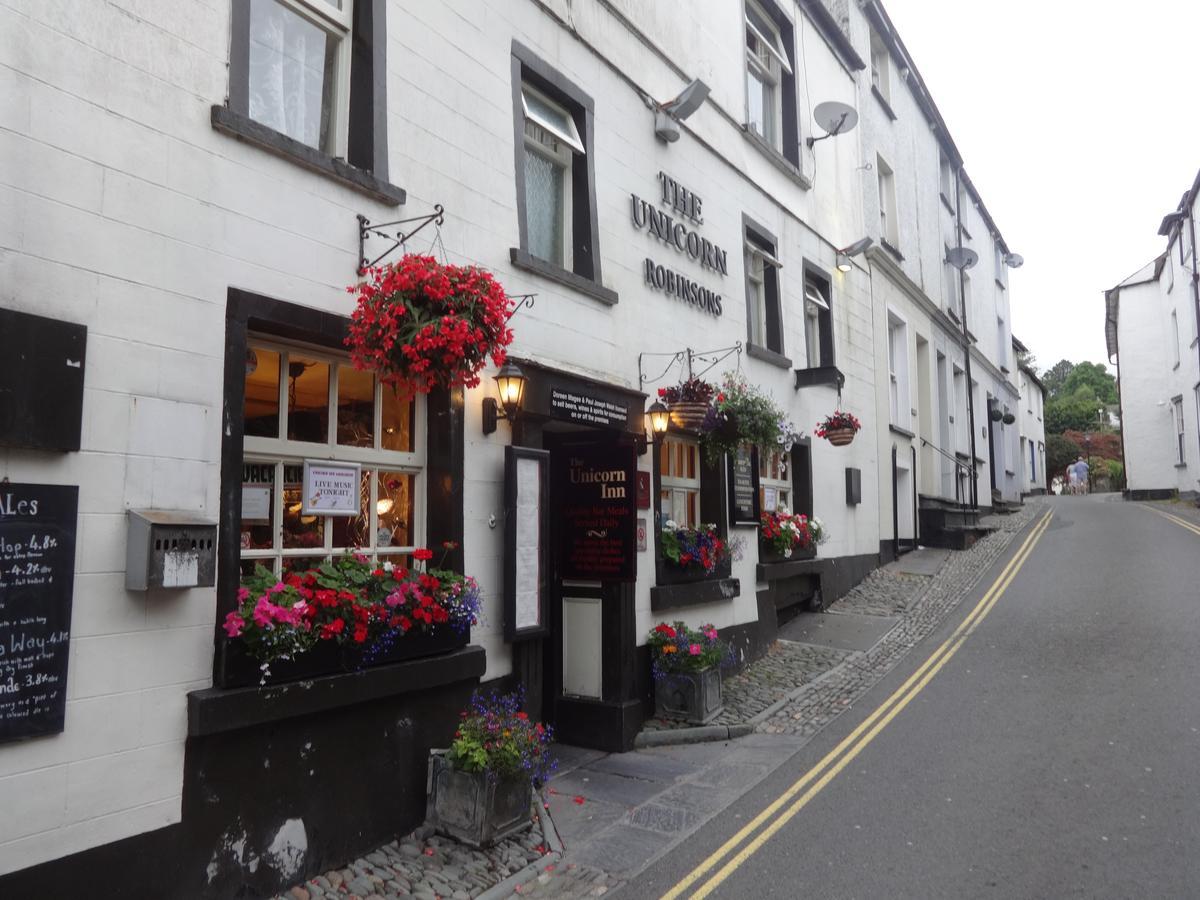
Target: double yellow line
{"x":1190,"y":526}
{"x":816,"y":778}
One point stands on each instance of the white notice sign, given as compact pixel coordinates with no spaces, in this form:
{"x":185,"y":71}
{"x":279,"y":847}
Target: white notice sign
{"x":528,"y":544}
{"x":256,"y":503}
{"x":331,"y":489}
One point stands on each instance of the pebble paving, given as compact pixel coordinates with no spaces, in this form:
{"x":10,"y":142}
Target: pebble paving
{"x":434,"y":868}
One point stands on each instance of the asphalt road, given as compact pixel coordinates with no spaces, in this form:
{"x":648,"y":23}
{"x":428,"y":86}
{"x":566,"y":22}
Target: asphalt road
{"x":1055,"y":754}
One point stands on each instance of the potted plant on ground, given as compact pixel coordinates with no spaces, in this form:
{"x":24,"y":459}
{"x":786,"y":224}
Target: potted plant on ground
{"x":686,"y":665}
{"x":838,"y":428}
{"x":783,"y":535}
{"x":742,"y":414}
{"x":421,"y":324}
{"x":688,"y":403}
{"x":480,"y":790}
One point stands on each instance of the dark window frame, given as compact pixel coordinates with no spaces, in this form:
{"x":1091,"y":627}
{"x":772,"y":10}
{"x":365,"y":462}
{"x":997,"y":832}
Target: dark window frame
{"x":828,"y":345}
{"x":789,"y":137}
{"x":527,"y":67}
{"x":773,"y":347}
{"x":365,"y":167}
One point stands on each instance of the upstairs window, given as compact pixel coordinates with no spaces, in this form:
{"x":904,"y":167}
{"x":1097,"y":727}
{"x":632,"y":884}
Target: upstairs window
{"x":898,"y":371}
{"x":1177,"y":415}
{"x":1174,"y":338}
{"x":1002,"y":344}
{"x":300,"y":69}
{"x":551,"y":143}
{"x":946,"y":180}
{"x":818,"y":321}
{"x":881,"y":67}
{"x":888,"y":226}
{"x":770,"y":80}
{"x":763,"y":307}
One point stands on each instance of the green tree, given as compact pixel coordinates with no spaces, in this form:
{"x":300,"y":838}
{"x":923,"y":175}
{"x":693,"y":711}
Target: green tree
{"x":1056,"y":376}
{"x":1091,"y":375}
{"x":1060,"y":453}
{"x":1027,"y":360}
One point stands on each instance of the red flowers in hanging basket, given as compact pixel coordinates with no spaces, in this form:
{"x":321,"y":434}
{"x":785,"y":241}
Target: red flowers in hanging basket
{"x":422,"y":325}
{"x":838,"y":428}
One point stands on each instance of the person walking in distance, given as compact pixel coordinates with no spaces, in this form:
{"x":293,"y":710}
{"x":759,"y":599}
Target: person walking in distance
{"x":1081,"y":474}
{"x":1072,"y":481}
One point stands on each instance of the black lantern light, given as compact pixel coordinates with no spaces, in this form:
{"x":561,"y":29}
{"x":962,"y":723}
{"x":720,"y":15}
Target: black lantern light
{"x":510,"y":382}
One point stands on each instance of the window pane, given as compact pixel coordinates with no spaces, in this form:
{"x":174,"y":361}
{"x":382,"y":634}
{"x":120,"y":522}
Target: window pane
{"x":356,"y":408}
{"x":299,"y":531}
{"x":258,"y":506}
{"x":301,"y":563}
{"x":260,"y":413}
{"x":308,"y":400}
{"x":293,"y":67}
{"x":395,"y":510}
{"x":398,"y":411}
{"x":691,"y":452}
{"x":544,"y":207}
{"x":552,"y":114}
{"x":756,"y":109}
{"x":353,"y":532}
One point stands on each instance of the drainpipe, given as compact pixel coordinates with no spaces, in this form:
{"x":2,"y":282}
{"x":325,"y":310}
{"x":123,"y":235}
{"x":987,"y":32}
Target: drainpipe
{"x":1190,"y":200}
{"x":962,"y":294}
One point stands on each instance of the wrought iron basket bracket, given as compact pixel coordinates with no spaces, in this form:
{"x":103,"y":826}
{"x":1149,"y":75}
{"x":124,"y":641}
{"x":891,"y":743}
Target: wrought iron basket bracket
{"x":398,"y":239}
{"x":526,"y":303}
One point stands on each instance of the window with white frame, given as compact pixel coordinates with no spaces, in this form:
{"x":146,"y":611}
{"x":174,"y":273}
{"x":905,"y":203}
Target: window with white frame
{"x":775,"y":479}
{"x":299,"y":69}
{"x":881,"y":78}
{"x":302,"y":403}
{"x":679,"y":480}
{"x":950,"y":282}
{"x":1002,"y":343}
{"x":1177,"y":415}
{"x":818,"y":321}
{"x":763,"y":306}
{"x":1174,"y":338}
{"x":888,"y":226}
{"x":551,"y":142}
{"x":945,"y":178}
{"x":898,"y":370}
{"x":961,"y":437}
{"x":768,"y":63}
{"x":998,"y":264}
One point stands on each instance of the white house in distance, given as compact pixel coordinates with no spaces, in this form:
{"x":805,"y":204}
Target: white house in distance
{"x":1151,"y":330}
{"x":1031,"y":427}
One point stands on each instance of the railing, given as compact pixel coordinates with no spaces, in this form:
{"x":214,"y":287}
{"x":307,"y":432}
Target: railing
{"x":961,"y":473}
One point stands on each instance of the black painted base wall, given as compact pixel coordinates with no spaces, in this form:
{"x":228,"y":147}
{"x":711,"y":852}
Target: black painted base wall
{"x":354,"y":776}
{"x":1151,"y":494}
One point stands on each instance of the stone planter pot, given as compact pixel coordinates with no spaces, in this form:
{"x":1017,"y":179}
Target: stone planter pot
{"x":474,"y":809}
{"x":694,"y":697}
{"x":688,"y":414}
{"x":840,"y":437}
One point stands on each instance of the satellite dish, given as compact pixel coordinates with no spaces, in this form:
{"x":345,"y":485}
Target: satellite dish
{"x":835,"y":118}
{"x":962,"y":257}
{"x":1014,"y":260}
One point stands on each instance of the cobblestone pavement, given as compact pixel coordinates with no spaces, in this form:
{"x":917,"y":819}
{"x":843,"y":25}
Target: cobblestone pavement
{"x":768,"y":680}
{"x":425,"y":866}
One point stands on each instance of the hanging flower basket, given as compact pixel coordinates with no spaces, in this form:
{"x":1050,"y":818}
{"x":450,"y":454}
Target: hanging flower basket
{"x":688,"y":402}
{"x":838,"y":428}
{"x":423,"y":325}
{"x":742,"y":414}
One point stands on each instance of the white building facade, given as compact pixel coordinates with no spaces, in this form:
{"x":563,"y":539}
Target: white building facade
{"x":1151,"y":329}
{"x":187,"y":188}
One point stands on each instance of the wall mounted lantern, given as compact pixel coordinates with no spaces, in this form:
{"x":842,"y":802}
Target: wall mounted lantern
{"x":510,"y":381}
{"x":660,"y":417}
{"x":858,"y":247}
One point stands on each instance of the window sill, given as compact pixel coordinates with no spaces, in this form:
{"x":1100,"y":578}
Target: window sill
{"x":817,"y":375}
{"x":523,"y":260}
{"x":1174,"y":367}
{"x":963,"y":456}
{"x":1010,"y":472}
{"x":777,"y":159}
{"x":670,"y":596}
{"x":892,"y":250}
{"x":887,"y":107}
{"x":777,"y":571}
{"x":946,"y":203}
{"x":1181,"y":465}
{"x":1005,"y":370}
{"x":1000,"y":284}
{"x":903,"y":432}
{"x":952,"y":315}
{"x":768,"y":356}
{"x":243,"y":128}
{"x":217,"y":710}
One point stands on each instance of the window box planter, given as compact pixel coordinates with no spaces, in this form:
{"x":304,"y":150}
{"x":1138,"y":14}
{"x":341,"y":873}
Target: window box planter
{"x":240,"y":669}
{"x":474,"y":808}
{"x":693,"y":697}
{"x":768,"y":555}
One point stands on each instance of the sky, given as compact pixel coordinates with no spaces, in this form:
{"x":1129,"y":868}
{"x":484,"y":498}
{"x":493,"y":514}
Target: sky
{"x":1079,"y":124}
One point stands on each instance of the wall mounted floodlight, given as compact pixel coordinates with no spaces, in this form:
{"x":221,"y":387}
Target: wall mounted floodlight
{"x":510,"y":381}
{"x":835,"y":117}
{"x":1014,"y":260}
{"x":667,"y":116}
{"x":843,"y":255}
{"x":962,"y":257}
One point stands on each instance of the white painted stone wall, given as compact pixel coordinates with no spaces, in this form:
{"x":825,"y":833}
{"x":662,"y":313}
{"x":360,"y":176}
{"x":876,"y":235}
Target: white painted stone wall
{"x":126,"y":212}
{"x":1032,"y":433}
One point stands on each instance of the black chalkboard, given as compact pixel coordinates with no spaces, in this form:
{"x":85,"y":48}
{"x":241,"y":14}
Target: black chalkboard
{"x":37,"y":575}
{"x":743,"y":485}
